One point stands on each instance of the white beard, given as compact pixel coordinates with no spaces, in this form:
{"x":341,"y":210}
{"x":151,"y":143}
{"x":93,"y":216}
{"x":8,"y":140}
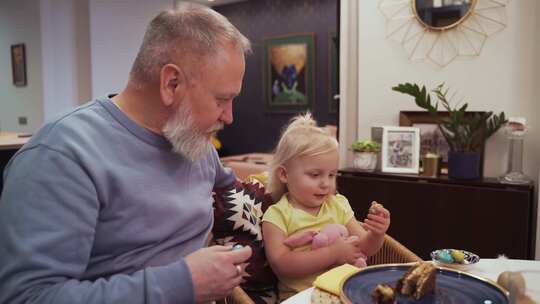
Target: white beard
{"x":186,"y":140}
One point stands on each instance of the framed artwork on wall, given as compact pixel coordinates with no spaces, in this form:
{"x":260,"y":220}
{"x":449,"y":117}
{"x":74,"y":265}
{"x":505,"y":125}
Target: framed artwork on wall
{"x":18,"y":64}
{"x":431,"y":138}
{"x":289,"y":67}
{"x":333,"y":70}
{"x":400,"y":149}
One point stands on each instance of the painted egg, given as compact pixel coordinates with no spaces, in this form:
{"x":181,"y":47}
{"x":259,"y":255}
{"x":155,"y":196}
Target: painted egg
{"x":458,"y":255}
{"x":445,"y":257}
{"x":237,"y":247}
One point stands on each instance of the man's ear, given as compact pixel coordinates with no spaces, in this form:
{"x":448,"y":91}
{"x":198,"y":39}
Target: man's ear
{"x":172,"y":82}
{"x":282,"y":174}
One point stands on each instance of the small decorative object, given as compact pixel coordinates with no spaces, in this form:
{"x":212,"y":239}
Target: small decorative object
{"x":18,"y":64}
{"x":514,"y":282}
{"x":455,"y":258}
{"x":400,"y":149}
{"x":289,"y":64}
{"x":515,"y":129}
{"x":237,"y":247}
{"x":465,"y":135}
{"x":431,"y":165}
{"x":365,"y":154}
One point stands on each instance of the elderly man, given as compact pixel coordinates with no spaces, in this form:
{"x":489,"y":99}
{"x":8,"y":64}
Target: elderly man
{"x":112,"y":202}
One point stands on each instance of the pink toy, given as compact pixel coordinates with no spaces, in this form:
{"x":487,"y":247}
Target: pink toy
{"x":326,"y":236}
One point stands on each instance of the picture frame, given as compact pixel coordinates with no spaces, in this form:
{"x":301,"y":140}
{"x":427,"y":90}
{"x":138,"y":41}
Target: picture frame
{"x":333,"y":72}
{"x":18,"y":64}
{"x":431,"y":139}
{"x":289,"y":68}
{"x":400,"y":149}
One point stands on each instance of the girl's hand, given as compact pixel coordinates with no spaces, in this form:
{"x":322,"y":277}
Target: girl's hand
{"x":378,"y":219}
{"x":347,"y":250}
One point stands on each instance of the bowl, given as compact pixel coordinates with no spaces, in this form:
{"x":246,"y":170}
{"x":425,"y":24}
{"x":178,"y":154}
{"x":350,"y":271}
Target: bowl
{"x":454,"y":258}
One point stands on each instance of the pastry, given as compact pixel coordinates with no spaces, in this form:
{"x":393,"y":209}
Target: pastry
{"x":374,"y":208}
{"x":320,"y":296}
{"x":418,"y":281}
{"x":383,"y":294}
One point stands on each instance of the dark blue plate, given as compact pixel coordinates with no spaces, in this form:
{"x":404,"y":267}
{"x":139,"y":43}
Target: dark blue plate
{"x":452,"y":287}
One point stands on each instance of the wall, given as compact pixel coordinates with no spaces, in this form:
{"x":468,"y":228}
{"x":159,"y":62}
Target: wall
{"x":348,"y":57}
{"x":66,"y":55}
{"x":116,"y":32}
{"x":115,"y":37}
{"x":537,"y":114}
{"x":255,"y":130}
{"x":20,"y":23}
{"x":500,"y":79}
{"x":504,"y":77}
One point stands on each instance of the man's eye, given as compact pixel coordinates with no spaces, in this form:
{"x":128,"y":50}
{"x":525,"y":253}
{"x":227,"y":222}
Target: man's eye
{"x":314,"y":174}
{"x":224,"y":101}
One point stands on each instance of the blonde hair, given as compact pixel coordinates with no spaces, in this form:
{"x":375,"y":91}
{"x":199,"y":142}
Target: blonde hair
{"x":302,"y":137}
{"x":190,"y":31}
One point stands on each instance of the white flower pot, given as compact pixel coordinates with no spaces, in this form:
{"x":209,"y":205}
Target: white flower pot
{"x":365,"y":160}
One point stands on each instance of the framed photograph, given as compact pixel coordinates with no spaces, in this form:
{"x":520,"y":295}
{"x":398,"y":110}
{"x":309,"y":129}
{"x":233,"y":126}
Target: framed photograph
{"x":18,"y":64}
{"x":431,"y":138}
{"x":333,"y":70}
{"x":289,"y":67}
{"x":400,"y":149}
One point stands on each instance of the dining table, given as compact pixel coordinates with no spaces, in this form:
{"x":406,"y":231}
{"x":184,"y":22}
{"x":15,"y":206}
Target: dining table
{"x":485,"y":268}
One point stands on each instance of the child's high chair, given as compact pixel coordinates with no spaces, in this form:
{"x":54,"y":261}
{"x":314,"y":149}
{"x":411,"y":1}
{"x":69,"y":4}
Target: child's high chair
{"x":238,"y":212}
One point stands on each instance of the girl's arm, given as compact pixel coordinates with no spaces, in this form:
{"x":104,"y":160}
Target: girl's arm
{"x":371,"y":232}
{"x":369,"y":241}
{"x":288,"y":263}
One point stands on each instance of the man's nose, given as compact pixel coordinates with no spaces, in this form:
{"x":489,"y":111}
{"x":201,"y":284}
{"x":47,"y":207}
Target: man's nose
{"x":227,"y":114}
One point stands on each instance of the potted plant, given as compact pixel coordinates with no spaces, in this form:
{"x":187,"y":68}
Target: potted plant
{"x":464,"y":134}
{"x":365,"y":154}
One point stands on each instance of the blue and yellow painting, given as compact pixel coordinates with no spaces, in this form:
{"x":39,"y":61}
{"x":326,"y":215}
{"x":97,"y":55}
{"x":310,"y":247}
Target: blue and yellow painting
{"x":289,"y":72}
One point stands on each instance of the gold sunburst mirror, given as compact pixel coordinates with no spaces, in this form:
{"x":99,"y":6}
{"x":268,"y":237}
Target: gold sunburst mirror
{"x":442,"y":30}
{"x":442,"y":15}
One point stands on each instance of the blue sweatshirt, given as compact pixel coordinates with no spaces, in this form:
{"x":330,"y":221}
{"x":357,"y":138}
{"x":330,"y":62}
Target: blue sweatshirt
{"x":97,"y":209}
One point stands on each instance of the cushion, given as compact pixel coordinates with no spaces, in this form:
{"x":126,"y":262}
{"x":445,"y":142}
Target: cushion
{"x":238,"y":211}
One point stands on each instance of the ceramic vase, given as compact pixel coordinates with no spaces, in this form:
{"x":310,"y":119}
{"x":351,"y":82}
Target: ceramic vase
{"x":463,"y":165}
{"x":365,"y":160}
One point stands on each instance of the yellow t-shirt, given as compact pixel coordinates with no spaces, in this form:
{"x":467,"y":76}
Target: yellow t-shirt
{"x":335,"y":210}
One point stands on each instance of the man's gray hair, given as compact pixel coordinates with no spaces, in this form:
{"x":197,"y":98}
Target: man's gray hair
{"x":188,"y":32}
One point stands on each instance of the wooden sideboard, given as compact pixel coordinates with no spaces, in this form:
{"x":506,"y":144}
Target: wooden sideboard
{"x":484,"y":216}
{"x":10,"y":142}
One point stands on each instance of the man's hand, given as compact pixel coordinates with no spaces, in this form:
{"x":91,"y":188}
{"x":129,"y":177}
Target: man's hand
{"x":377,"y":220}
{"x":214,"y":271}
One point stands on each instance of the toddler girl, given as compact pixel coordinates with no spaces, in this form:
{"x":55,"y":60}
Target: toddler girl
{"x":303,"y":178}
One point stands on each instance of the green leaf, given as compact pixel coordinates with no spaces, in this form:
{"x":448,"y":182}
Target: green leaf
{"x":366,"y":146}
{"x":462,"y":131}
